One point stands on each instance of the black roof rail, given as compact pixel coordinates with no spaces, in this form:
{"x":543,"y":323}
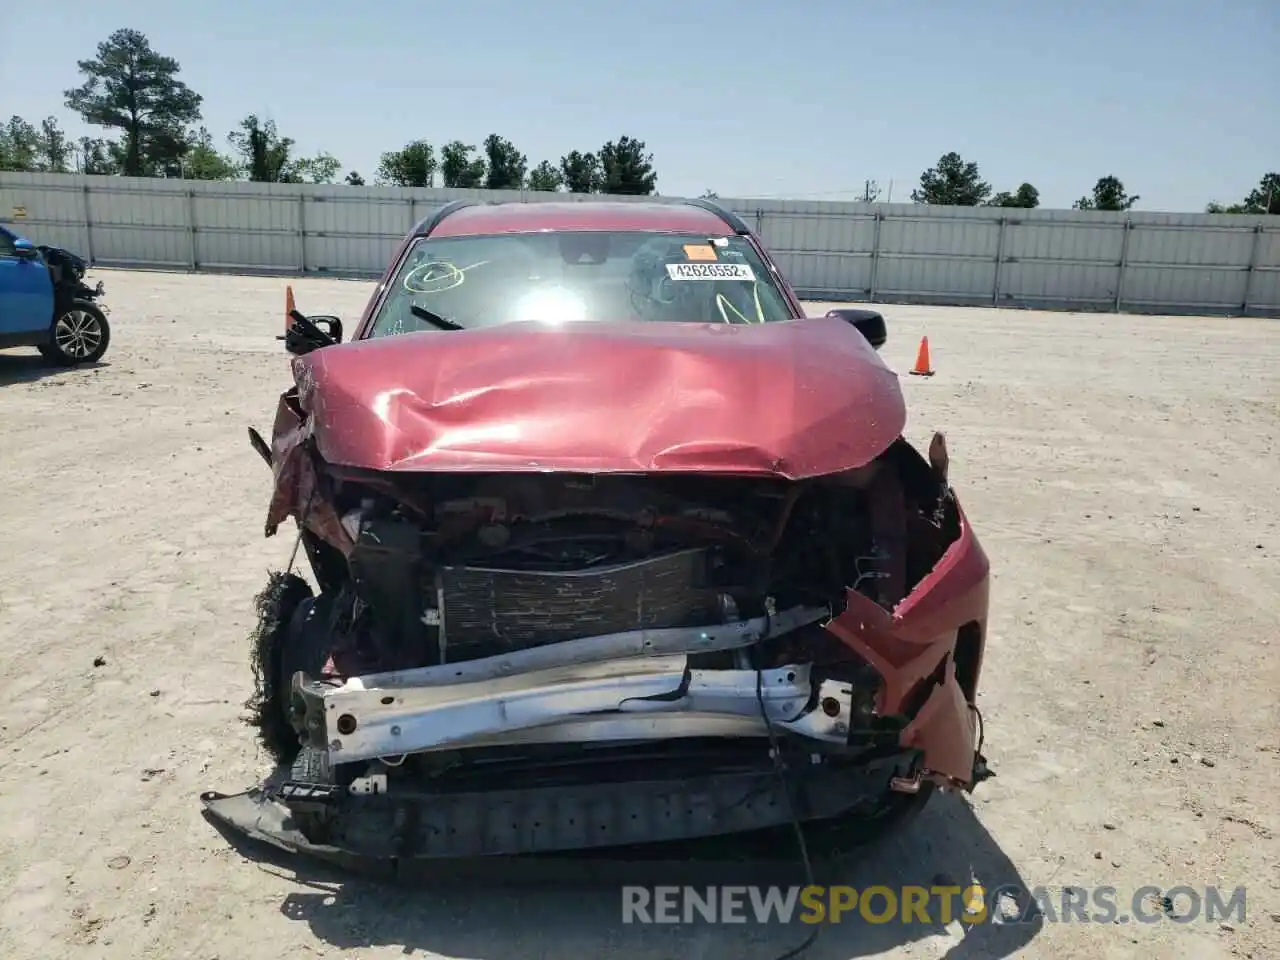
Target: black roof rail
{"x":432,"y":220}
{"x":735,"y":222}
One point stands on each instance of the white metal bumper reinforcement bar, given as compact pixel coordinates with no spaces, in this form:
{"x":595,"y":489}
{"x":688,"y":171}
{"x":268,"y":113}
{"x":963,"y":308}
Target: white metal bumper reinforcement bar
{"x":361,"y":723}
{"x":609,"y":646}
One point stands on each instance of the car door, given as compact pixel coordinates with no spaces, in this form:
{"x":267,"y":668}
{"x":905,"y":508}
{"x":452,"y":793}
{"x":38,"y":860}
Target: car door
{"x":26,"y":293}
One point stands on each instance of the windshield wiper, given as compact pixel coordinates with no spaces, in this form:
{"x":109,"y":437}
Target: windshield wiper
{"x":437,"y":321}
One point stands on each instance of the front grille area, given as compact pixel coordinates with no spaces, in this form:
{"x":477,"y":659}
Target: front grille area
{"x":487,"y":612}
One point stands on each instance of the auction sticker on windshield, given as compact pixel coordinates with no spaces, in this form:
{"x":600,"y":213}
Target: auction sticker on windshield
{"x":709,"y":271}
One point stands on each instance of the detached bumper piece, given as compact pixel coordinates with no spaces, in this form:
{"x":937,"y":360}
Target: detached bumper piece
{"x":342,"y":823}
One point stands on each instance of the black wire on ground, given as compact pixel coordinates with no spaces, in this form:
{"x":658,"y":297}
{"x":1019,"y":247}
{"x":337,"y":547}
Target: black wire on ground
{"x":803,"y":848}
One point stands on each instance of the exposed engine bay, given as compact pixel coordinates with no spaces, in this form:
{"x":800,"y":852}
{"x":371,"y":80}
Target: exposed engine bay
{"x":448,"y":568}
{"x":551,"y":632}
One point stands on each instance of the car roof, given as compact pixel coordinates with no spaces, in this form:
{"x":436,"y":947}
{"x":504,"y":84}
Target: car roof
{"x":538,"y":216}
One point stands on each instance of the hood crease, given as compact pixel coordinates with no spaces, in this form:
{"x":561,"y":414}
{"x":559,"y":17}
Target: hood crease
{"x":794,"y":399}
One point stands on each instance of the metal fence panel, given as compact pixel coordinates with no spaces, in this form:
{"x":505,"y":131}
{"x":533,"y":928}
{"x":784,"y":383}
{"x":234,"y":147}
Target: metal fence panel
{"x":817,"y":249}
{"x":1056,"y":259}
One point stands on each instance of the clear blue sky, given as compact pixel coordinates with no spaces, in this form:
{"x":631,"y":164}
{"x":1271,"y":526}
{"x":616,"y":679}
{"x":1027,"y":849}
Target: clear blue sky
{"x":807,"y":98}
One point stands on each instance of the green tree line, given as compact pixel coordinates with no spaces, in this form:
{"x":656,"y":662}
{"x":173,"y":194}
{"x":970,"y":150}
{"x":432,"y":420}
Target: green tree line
{"x":151,"y":123}
{"x":955,"y":182}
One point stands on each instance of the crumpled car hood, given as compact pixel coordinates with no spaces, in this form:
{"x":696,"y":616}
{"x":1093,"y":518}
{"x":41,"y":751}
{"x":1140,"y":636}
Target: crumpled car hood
{"x":794,"y":399}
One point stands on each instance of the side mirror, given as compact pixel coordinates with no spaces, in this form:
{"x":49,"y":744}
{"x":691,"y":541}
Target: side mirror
{"x":868,"y":322}
{"x":24,"y":249}
{"x":311,"y":333}
{"x":331,"y":326}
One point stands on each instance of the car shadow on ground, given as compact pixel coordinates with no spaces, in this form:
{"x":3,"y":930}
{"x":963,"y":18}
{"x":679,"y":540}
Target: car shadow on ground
{"x":518,"y":909}
{"x":31,"y":367}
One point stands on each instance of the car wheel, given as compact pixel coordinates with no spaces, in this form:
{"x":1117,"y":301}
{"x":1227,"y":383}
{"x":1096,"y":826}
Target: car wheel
{"x":279,"y":606}
{"x":306,"y":647}
{"x":79,"y":335}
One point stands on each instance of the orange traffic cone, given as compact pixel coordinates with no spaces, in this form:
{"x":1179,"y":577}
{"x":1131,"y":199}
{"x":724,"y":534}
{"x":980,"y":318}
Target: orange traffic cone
{"x":922,"y":367}
{"x":288,"y":308}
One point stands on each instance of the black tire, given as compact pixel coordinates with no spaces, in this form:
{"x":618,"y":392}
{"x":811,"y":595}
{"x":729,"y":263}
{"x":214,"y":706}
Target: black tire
{"x":307,"y":642}
{"x":305,"y":648}
{"x":278,"y":606}
{"x":79,"y":334}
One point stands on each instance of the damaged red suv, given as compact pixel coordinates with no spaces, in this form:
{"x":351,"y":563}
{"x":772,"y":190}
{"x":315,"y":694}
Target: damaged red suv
{"x":610,"y":545}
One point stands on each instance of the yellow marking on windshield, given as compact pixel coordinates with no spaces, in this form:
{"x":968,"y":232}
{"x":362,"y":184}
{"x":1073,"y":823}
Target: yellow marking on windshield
{"x":437,"y":276}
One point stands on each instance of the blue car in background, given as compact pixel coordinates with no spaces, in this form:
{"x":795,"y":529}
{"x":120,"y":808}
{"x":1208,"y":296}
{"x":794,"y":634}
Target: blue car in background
{"x":45,"y":303}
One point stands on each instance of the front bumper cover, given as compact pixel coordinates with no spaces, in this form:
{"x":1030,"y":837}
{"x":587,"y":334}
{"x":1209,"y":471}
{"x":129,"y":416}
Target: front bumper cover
{"x":345,"y":823}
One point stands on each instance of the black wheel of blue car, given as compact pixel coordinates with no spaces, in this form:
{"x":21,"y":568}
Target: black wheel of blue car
{"x":80,"y":334}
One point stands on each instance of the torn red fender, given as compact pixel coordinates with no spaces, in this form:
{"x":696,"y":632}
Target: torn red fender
{"x":296,"y":482}
{"x":945,"y":731}
{"x":907,"y":647}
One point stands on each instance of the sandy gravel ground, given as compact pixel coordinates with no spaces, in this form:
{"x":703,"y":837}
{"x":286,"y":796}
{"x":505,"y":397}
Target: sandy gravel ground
{"x":1121,"y":473}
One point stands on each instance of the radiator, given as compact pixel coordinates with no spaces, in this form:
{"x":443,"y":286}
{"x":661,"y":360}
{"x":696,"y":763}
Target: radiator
{"x":485,"y":611}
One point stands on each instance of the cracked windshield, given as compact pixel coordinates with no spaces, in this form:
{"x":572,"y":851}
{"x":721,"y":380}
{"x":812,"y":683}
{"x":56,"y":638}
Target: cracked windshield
{"x":467,"y":282}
